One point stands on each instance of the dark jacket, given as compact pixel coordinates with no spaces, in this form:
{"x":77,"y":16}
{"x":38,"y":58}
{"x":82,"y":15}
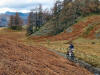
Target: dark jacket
{"x":71,"y":46}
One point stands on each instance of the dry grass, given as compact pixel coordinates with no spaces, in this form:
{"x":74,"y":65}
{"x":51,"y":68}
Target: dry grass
{"x":17,"y":58}
{"x":85,"y":49}
{"x":88,"y":50}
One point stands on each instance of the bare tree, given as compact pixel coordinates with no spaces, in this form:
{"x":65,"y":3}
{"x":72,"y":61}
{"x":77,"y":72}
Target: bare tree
{"x":18,"y":20}
{"x":47,"y":15}
{"x":39,"y":17}
{"x":11,"y":21}
{"x":31,"y":23}
{"x":15,"y":22}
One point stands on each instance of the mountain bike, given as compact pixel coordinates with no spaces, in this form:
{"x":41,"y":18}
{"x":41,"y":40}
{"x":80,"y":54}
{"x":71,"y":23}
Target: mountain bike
{"x":70,"y":54}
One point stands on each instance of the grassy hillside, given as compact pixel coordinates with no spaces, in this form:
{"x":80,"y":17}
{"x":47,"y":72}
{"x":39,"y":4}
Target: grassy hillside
{"x":85,"y":49}
{"x":86,"y":38}
{"x":70,"y":14}
{"x":47,"y":29}
{"x":20,"y":58}
{"x":87,"y":27}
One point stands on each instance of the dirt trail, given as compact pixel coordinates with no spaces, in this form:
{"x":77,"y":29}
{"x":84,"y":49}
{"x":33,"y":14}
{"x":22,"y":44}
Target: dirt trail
{"x":19,"y":59}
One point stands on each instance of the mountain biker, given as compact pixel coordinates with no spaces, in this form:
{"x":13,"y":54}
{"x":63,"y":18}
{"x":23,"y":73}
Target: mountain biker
{"x":71,"y":48}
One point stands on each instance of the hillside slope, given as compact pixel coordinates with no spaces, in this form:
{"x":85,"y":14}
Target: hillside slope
{"x":17,"y":58}
{"x":88,"y":27}
{"x":67,"y":14}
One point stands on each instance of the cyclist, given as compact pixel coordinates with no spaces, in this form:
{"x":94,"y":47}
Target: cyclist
{"x":71,"y":49}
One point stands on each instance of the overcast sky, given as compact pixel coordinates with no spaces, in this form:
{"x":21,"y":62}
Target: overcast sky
{"x":23,"y":5}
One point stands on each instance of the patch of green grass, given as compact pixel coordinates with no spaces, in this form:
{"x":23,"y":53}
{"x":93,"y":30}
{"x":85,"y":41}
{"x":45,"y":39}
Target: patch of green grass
{"x":90,"y":27}
{"x":83,"y":19}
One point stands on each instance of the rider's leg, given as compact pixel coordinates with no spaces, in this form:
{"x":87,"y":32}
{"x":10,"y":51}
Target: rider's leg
{"x":70,"y":54}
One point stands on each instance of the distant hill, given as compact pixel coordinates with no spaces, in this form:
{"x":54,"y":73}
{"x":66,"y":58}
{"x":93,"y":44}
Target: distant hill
{"x":23,"y":15}
{"x":4,"y":18}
